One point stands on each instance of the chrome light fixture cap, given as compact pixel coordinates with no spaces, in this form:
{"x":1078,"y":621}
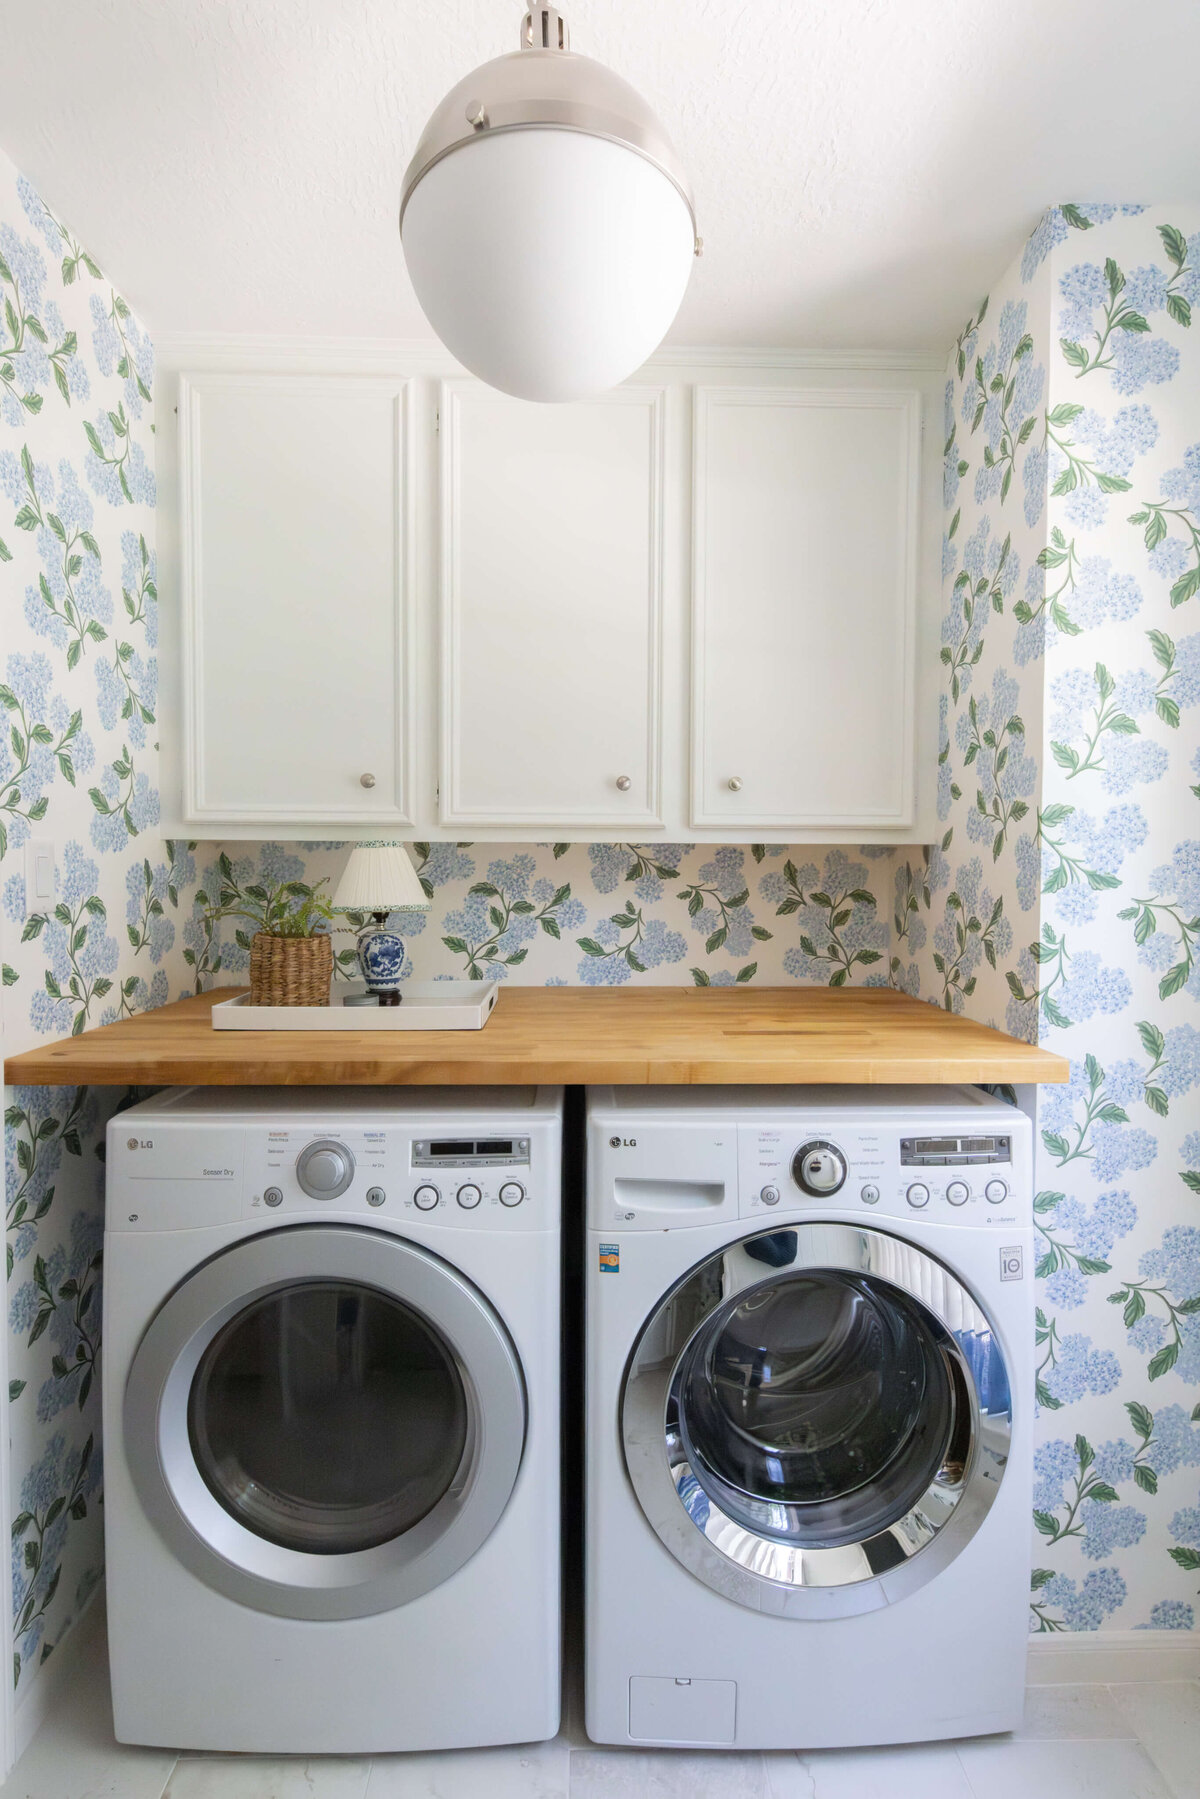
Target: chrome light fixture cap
{"x":545,"y":84}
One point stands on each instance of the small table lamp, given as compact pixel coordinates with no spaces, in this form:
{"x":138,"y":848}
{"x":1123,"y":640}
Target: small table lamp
{"x":380,"y":879}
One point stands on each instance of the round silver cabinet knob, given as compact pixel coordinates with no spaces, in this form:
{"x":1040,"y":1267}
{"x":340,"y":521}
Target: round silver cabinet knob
{"x":366,"y":780}
{"x":735,"y":783}
{"x":819,"y":1167}
{"x":325,"y":1169}
{"x":623,"y":783}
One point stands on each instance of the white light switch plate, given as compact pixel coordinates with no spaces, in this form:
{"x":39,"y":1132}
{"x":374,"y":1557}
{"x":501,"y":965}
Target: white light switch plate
{"x":40,"y":883}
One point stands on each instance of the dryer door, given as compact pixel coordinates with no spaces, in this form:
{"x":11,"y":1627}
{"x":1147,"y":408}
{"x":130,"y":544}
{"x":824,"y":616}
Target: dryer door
{"x":325,"y":1422}
{"x":816,"y":1420}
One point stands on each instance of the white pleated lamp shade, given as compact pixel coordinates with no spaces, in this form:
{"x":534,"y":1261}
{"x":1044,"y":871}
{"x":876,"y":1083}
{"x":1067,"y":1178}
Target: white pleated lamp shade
{"x":379,"y":878}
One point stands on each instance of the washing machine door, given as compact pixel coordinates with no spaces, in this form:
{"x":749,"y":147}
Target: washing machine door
{"x":325,"y":1422}
{"x":816,"y":1420}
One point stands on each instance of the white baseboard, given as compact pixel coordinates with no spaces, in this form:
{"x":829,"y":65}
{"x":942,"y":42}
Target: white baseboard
{"x":35,"y":1704}
{"x":1084,"y":1658}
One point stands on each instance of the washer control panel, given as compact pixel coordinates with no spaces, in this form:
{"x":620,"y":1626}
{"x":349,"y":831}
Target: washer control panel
{"x":884,"y":1171}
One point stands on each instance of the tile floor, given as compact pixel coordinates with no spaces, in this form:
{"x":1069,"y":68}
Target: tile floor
{"x":1077,"y":1742}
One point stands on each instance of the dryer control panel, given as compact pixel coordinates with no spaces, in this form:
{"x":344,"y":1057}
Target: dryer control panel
{"x":173,"y":1173}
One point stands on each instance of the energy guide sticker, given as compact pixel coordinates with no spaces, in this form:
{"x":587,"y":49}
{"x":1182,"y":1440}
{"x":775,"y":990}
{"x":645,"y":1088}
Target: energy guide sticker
{"x":610,"y":1258}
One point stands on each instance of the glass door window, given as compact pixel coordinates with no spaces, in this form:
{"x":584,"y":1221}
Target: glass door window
{"x":817,"y":1409}
{"x":328,"y":1417}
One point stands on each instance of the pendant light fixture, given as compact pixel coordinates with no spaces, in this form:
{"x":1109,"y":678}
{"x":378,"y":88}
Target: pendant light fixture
{"x":547,"y":223}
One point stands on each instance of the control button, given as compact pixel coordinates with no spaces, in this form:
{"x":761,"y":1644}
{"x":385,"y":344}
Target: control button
{"x":870,"y":1194}
{"x":819,"y":1168}
{"x":425,"y":1198}
{"x":273,"y":1196}
{"x":958,"y":1193}
{"x":770,"y":1196}
{"x":325,"y":1169}
{"x":375,"y":1196}
{"x":918,"y":1194}
{"x":469,"y":1196}
{"x":511,"y":1193}
{"x":996,"y":1192}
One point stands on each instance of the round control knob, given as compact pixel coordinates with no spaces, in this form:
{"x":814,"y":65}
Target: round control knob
{"x":770,"y":1196}
{"x":425,"y":1198}
{"x":324,"y":1169}
{"x":996,"y":1192}
{"x":511,"y":1193}
{"x":375,"y":1196}
{"x":918,"y":1194}
{"x":819,"y":1167}
{"x":869,"y":1194}
{"x":958,"y":1193}
{"x":469,"y":1196}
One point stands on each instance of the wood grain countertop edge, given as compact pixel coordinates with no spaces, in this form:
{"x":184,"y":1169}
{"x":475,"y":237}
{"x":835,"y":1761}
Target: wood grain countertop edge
{"x":873,"y":1042}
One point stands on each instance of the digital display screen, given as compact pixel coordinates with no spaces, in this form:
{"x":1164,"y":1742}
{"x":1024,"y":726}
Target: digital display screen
{"x":495,"y":1146}
{"x":451,"y":1149}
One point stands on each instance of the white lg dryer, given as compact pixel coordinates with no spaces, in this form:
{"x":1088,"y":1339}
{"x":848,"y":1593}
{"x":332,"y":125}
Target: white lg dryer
{"x":331,"y":1418}
{"x":809,"y":1412}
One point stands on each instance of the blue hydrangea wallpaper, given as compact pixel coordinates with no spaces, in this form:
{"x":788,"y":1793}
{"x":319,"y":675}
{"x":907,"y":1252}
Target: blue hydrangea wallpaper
{"x":1063,"y":900}
{"x":78,"y":767}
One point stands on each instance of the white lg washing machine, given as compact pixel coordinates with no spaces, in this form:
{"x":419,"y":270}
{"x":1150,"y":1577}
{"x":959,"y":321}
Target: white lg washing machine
{"x":331,"y":1418}
{"x":809,"y":1412}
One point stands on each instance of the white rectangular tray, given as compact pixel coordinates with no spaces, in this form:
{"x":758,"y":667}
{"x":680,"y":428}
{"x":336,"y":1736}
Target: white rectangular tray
{"x":426,"y":1006}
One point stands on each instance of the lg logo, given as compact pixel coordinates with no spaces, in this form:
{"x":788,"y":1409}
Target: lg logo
{"x":622,"y":1143}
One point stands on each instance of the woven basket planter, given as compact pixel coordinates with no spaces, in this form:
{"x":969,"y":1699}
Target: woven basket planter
{"x":290,"y":971}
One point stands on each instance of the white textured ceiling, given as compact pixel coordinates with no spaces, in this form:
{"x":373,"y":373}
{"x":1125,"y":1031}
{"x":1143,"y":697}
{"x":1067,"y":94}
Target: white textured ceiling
{"x":862,"y":168}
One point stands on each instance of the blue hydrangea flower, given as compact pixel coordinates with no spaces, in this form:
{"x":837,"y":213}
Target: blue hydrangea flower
{"x":1170,"y":1614}
{"x":1080,"y":1370}
{"x":1109,"y":1527}
{"x":1054,"y":1464}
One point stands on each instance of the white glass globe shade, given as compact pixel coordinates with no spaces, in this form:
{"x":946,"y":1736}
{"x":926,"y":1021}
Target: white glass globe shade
{"x":549,"y":262}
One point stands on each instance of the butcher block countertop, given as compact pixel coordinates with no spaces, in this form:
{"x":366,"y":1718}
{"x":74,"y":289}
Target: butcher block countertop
{"x":569,"y":1035}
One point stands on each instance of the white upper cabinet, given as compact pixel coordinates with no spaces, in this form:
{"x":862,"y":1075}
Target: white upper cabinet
{"x":294,"y":662}
{"x":806,"y":515}
{"x":705,"y":606}
{"x":551,"y":580}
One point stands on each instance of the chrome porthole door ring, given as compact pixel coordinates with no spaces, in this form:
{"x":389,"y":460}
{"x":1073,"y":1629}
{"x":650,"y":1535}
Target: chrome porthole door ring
{"x":770,"y":1430}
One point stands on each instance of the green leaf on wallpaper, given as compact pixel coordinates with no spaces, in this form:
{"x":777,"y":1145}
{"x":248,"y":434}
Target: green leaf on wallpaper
{"x":1046,"y":1202}
{"x":1075,"y":354}
{"x":1112,"y":483}
{"x":1152,"y":1039}
{"x":1157,"y":1101}
{"x":1186,"y":1558}
{"x":1173,"y":980}
{"x":1045,"y":1523}
{"x":1163,"y":1362}
{"x":1132,"y":321}
{"x":1078,"y":220}
{"x":747,"y":973}
{"x":1174,"y":243}
{"x":1186,"y":586}
{"x":1135,"y":1307}
{"x":1065,"y":414}
{"x":1191,"y":1178}
{"x":1179,"y":309}
{"x":1163,"y":647}
{"x":11,"y":977}
{"x":699,"y":978}
{"x":954,"y":524}
{"x":1114,"y":277}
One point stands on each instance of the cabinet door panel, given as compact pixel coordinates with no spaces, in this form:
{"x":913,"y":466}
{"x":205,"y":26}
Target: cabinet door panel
{"x":295,"y":547}
{"x":804,"y":607}
{"x":551,"y":579}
